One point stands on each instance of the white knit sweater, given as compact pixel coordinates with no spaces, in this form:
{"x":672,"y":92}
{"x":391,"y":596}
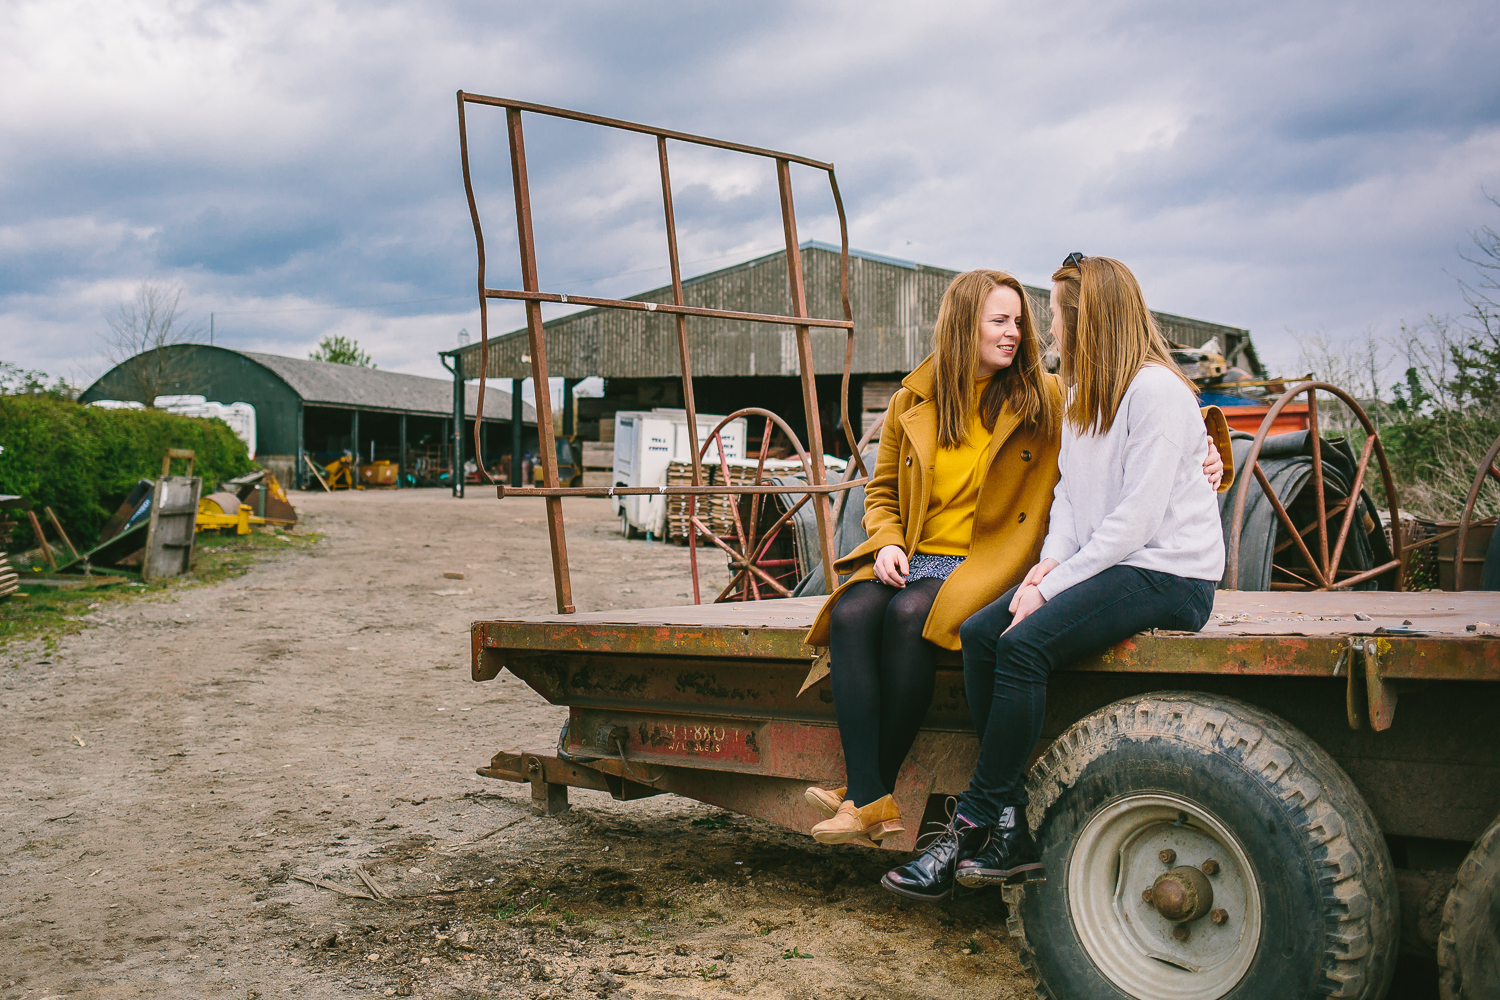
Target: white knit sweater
{"x":1136,"y":495}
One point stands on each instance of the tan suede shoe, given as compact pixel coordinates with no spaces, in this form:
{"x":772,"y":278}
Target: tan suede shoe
{"x":825,"y":800}
{"x":875,"y":821}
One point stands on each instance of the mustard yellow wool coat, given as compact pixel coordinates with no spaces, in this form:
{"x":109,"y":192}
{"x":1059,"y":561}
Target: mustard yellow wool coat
{"x":1010,"y":518}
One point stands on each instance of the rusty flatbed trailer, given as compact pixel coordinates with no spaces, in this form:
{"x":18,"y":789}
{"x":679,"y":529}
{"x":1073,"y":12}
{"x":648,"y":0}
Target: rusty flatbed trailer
{"x":725,"y":704}
{"x":1267,"y":809}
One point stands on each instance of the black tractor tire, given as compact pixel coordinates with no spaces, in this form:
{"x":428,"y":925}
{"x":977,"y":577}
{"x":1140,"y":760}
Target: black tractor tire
{"x":1314,"y":856}
{"x":1469,"y":941}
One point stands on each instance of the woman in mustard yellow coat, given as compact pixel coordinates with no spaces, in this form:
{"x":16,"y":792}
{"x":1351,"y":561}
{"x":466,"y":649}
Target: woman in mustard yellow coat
{"x":956,"y":511}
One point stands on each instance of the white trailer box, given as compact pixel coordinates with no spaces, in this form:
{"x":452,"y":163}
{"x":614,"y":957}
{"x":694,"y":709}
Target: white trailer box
{"x":646,"y":442}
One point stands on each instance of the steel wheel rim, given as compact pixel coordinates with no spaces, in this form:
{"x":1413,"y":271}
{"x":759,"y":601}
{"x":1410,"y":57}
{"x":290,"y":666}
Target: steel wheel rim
{"x":1115,"y":856}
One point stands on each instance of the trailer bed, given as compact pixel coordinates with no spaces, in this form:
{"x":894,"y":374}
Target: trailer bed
{"x":725,"y":703}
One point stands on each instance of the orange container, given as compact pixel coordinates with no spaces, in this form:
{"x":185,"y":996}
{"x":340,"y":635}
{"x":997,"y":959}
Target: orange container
{"x":380,"y":473}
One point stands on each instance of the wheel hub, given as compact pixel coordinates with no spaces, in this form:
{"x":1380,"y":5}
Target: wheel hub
{"x":1182,"y":894}
{"x":1144,"y":872}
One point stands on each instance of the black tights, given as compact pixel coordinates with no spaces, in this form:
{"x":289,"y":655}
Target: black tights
{"x":882,"y":674}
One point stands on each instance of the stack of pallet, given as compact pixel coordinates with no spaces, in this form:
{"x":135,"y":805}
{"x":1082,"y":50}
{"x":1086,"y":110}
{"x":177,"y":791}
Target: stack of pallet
{"x":598,"y":463}
{"x":715,"y":512}
{"x":10,"y":582}
{"x":875,"y":400}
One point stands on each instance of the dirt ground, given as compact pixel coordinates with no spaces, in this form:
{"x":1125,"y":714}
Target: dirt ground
{"x":143,"y":854}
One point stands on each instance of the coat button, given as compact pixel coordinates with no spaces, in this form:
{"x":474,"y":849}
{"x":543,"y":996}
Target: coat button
{"x":1025,"y":456}
{"x":908,"y":459}
{"x":1021,"y":518}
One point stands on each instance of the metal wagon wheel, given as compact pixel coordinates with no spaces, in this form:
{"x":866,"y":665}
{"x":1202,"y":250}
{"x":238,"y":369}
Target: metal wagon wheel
{"x":746,"y":549}
{"x":755,"y":577}
{"x":1324,"y":567}
{"x":1487,"y":468}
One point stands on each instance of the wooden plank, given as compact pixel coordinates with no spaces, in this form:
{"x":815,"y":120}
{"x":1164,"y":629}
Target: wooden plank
{"x":172,"y":528}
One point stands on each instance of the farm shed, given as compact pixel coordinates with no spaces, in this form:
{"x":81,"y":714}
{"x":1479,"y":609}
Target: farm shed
{"x":738,"y":364}
{"x":316,"y":408}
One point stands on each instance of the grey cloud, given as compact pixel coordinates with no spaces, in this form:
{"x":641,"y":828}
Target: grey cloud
{"x":1239,"y":158}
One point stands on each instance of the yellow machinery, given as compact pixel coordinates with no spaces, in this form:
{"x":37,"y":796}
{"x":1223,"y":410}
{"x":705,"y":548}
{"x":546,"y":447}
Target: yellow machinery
{"x":219,"y":511}
{"x":336,"y":475}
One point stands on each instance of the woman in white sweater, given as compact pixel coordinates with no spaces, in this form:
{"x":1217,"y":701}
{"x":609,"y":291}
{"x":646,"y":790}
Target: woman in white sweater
{"x":1133,"y":543}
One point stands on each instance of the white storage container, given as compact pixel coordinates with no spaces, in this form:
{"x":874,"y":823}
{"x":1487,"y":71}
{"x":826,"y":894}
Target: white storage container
{"x":646,"y":442}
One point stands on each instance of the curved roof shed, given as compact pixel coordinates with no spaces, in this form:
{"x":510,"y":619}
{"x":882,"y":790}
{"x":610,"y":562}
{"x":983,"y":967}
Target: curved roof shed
{"x":281,"y":389}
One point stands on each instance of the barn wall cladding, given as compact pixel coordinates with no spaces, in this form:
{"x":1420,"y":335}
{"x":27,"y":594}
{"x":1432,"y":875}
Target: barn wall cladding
{"x":895,"y":306}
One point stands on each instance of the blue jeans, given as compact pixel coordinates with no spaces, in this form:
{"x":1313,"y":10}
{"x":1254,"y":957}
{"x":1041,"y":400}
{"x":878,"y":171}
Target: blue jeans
{"x":1005,"y":673}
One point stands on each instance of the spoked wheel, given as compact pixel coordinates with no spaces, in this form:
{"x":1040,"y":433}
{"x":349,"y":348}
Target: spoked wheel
{"x":756,"y":575}
{"x":1309,"y":556}
{"x":1487,"y":468}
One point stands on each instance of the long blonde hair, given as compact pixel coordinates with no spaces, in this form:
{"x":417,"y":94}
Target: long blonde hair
{"x":1107,"y":335}
{"x":956,"y":353}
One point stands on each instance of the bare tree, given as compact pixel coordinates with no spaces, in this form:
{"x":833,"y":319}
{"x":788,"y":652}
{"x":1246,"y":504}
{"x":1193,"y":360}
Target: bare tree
{"x":1358,"y":365}
{"x":142,"y":332}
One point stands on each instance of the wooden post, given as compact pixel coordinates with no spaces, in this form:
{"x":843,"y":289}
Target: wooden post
{"x":36,"y":527}
{"x":61,"y":533}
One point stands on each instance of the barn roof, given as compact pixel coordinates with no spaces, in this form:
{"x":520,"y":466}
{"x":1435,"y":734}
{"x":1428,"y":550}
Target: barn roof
{"x":323,"y":383}
{"x":895,"y":306}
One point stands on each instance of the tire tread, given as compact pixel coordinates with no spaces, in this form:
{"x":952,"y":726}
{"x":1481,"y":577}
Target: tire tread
{"x":1285,"y":761}
{"x":1464,"y":899}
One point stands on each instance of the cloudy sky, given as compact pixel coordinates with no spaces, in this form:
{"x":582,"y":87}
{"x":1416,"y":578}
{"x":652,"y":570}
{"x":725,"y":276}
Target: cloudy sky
{"x":293,"y":166}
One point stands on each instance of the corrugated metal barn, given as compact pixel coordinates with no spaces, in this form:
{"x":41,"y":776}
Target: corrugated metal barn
{"x":319,"y":409}
{"x":739,"y":364}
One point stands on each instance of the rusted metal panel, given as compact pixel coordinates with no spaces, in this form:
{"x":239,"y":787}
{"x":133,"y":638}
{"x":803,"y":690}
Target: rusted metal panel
{"x":1251,"y":633}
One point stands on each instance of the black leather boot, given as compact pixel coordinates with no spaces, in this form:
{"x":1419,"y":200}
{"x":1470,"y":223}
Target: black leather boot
{"x":1011,"y":856}
{"x":929,"y":879}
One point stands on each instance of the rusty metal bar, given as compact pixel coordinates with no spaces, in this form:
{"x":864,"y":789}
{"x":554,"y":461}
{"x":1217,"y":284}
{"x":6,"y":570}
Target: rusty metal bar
{"x":579,"y":116}
{"x":1368,"y":574}
{"x":1351,"y":504}
{"x":1286,"y":519}
{"x":664,"y":307}
{"x":750,"y":566}
{"x":805,"y":363}
{"x":1486,"y":467}
{"x":543,"y":388}
{"x":682,"y":342}
{"x":1315,"y":438}
{"x":686,"y":491}
{"x":484,"y":306}
{"x":1333,"y":511}
{"x":838,"y":204}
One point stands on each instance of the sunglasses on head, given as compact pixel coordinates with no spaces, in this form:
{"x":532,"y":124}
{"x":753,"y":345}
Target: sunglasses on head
{"x":1074,"y":259}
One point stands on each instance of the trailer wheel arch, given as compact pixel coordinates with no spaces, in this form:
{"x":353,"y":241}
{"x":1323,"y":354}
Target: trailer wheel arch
{"x":1469,"y":941}
{"x":1318,"y":866}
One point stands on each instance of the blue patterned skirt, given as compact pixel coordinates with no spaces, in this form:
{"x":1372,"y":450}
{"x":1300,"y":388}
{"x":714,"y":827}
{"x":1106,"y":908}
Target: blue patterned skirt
{"x":925,"y":567}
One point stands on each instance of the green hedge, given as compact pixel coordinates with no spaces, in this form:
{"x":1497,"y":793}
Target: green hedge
{"x":82,"y":461}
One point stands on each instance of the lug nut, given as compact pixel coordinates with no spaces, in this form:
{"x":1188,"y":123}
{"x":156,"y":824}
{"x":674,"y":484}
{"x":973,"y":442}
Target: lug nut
{"x":1210,"y":867}
{"x":1168,"y":856}
{"x":1219,"y":916}
{"x":1180,"y":932}
{"x":1145,"y":895}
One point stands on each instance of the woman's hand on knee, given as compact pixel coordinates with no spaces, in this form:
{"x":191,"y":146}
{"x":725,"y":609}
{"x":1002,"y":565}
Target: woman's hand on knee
{"x":891,"y":566}
{"x":1028,"y":598}
{"x":1034,"y":578}
{"x":1213,"y":464}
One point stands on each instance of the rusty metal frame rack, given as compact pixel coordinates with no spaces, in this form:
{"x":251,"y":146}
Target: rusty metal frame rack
{"x":818,"y":489}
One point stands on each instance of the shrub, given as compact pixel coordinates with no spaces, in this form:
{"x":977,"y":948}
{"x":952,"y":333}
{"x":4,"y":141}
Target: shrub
{"x":83,"y":460}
